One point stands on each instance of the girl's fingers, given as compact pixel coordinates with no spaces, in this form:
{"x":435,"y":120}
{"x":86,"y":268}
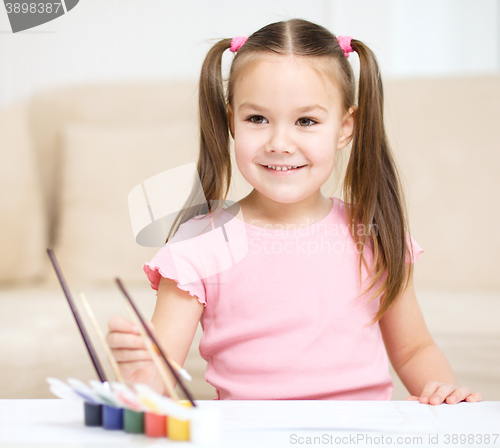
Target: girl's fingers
{"x":129,"y":368}
{"x":125,"y":341}
{"x":124,"y":355}
{"x":476,"y":396}
{"x":460,"y":394}
{"x":120,"y":324}
{"x":436,"y":393}
{"x":429,"y":389}
{"x":443,"y":391}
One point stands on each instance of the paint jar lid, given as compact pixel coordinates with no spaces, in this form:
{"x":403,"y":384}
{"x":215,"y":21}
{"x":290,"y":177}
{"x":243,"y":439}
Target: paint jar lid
{"x":204,"y":426}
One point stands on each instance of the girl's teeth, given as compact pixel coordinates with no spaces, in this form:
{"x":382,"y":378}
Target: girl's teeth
{"x":284,"y":168}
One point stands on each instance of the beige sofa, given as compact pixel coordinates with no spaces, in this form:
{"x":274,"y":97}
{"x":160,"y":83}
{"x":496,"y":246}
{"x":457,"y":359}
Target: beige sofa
{"x":71,"y":155}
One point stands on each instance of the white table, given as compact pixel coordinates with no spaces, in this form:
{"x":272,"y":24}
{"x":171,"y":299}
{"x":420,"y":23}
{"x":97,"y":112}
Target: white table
{"x":271,"y":424}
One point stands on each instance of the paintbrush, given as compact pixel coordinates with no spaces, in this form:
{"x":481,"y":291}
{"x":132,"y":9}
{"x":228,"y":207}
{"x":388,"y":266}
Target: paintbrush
{"x":88,"y":343}
{"x":100,"y":335}
{"x":180,"y":370}
{"x":154,"y":355}
{"x":153,"y":339}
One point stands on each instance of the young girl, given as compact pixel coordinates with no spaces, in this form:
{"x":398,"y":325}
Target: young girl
{"x":277,"y":282}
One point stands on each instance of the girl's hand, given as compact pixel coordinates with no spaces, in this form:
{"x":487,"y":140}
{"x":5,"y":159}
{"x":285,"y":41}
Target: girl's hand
{"x":437,"y":393}
{"x":130,"y":351}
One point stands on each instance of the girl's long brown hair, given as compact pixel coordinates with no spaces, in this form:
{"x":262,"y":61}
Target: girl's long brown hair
{"x":372,"y":189}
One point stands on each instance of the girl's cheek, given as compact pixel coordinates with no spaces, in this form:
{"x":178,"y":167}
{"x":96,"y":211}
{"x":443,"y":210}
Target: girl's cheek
{"x":242,"y":158}
{"x":244,"y":151}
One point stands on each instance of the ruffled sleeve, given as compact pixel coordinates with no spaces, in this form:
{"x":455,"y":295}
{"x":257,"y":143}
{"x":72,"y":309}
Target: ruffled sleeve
{"x":417,"y":250}
{"x":175,"y":265}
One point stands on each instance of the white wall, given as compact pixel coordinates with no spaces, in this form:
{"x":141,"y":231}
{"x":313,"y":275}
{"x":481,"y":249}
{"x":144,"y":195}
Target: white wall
{"x":424,"y":37}
{"x":146,"y":39}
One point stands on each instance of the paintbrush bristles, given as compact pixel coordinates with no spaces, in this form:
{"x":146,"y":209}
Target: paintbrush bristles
{"x":100,"y":335}
{"x":185,"y":374}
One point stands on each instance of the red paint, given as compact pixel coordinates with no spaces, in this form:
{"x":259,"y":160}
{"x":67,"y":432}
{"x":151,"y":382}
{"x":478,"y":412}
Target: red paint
{"x":155,"y":425}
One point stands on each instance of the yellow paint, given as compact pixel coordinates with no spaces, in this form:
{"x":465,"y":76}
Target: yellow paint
{"x":178,"y":429}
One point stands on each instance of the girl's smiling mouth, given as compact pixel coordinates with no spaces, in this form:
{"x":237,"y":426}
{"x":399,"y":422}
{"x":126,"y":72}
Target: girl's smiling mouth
{"x":282,"y":170}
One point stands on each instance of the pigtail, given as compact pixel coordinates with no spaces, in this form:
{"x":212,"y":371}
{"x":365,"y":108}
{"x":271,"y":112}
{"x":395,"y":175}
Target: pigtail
{"x":214,"y":160}
{"x":372,"y":187}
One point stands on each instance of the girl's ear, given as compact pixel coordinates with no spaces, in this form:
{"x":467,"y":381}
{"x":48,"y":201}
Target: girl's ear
{"x":347,"y":127}
{"x":230,"y":119}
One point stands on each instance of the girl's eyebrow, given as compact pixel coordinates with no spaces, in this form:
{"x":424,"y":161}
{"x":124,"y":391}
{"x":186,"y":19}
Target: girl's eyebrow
{"x":247,"y":105}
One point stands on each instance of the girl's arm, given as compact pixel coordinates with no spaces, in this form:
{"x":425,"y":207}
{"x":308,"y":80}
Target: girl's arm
{"x":419,"y":363}
{"x":175,"y":319}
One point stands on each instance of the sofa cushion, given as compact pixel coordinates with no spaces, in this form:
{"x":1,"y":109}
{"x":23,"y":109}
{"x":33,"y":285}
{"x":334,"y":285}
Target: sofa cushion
{"x":117,"y":103}
{"x":445,"y":135}
{"x":101,"y":164}
{"x":23,"y":224}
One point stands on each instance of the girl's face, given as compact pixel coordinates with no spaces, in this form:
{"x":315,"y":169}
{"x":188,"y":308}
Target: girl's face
{"x":284,"y":114}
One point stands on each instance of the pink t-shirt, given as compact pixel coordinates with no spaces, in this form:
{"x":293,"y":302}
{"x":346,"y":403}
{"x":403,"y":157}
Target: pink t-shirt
{"x":282,"y":318}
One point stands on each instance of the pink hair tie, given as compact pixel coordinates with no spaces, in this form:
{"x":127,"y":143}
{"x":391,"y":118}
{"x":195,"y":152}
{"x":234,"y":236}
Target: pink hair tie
{"x":237,"y":42}
{"x":345,"y":44}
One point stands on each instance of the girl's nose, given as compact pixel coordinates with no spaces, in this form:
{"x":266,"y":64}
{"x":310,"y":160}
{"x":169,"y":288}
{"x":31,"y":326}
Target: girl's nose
{"x":280,"y":141}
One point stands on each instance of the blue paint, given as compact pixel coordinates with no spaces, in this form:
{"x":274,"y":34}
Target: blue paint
{"x":112,"y":417}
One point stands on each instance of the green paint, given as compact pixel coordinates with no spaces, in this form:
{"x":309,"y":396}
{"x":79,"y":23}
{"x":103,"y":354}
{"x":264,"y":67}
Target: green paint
{"x":133,"y":422}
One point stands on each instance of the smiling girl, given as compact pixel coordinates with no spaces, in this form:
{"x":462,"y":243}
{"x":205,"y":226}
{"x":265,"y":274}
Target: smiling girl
{"x":284,"y":315}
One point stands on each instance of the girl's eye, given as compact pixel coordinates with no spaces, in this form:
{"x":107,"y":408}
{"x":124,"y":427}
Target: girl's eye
{"x":305,"y":120}
{"x":256,"y":116}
